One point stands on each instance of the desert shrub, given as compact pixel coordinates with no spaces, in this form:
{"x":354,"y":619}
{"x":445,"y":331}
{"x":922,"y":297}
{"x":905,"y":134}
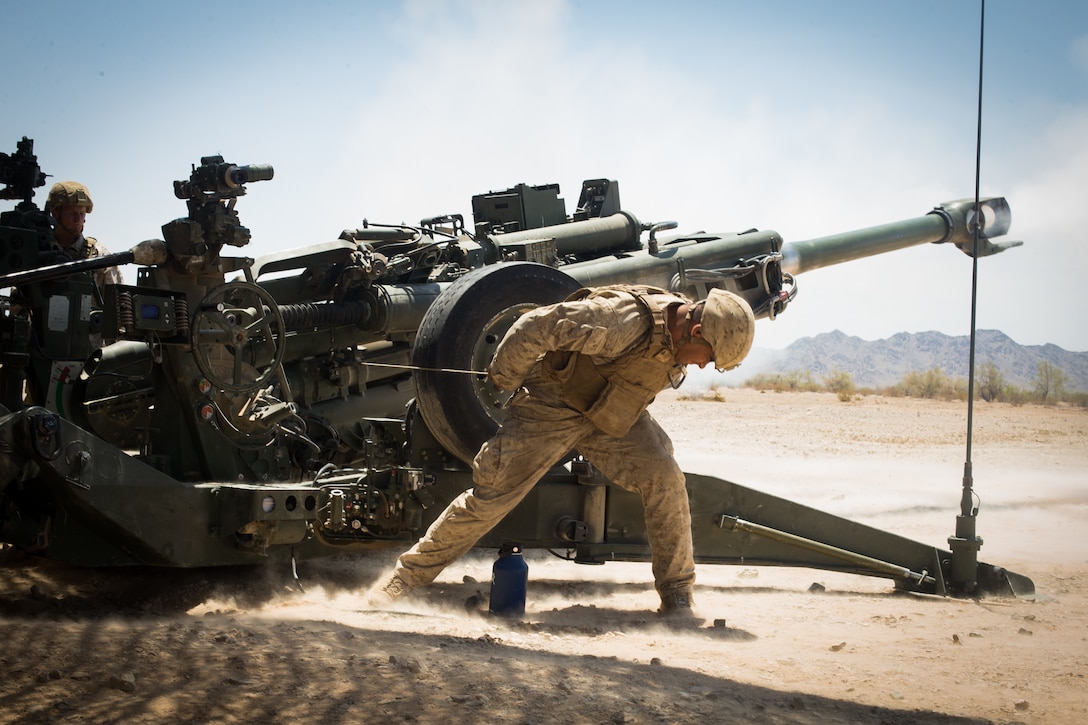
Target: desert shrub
{"x":1049,"y":386}
{"x":989,"y":382}
{"x":933,"y":384}
{"x":789,"y":381}
{"x":1013,"y":395}
{"x":957,"y":389}
{"x":1077,"y":399}
{"x":715,"y":393}
{"x":1050,"y":382}
{"x":893,"y":391}
{"x":841,"y":383}
{"x":922,"y":385}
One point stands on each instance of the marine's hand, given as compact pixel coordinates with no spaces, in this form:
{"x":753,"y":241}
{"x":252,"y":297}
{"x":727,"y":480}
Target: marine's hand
{"x":501,"y":381}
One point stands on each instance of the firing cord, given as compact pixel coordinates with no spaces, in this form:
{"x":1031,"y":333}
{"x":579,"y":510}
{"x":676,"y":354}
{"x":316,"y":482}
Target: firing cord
{"x":426,"y":370}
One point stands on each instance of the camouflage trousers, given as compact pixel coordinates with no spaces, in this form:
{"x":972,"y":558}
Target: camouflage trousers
{"x":533,"y":437}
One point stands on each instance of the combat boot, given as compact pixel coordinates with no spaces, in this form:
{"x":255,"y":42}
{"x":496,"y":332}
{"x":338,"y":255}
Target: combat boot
{"x":678,"y":604}
{"x":393,"y":589}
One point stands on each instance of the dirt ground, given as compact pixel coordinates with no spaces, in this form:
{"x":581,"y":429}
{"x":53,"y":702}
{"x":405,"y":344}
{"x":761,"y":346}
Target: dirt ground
{"x":232,"y":646}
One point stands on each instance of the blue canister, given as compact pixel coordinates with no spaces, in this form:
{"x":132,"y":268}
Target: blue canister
{"x":509,"y":580}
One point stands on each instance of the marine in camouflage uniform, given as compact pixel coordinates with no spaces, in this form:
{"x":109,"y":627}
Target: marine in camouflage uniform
{"x":69,"y":202}
{"x":584,"y":371}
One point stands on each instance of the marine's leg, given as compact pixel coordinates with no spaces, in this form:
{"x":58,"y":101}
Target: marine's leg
{"x":643,"y":462}
{"x":531,"y":440}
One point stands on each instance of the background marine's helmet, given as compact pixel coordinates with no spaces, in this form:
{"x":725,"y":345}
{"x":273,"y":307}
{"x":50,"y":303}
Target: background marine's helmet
{"x":69,"y":193}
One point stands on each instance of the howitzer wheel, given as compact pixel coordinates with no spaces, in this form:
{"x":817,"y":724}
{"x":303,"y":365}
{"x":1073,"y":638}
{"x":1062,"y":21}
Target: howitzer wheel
{"x":239,"y":324}
{"x":461,"y":331}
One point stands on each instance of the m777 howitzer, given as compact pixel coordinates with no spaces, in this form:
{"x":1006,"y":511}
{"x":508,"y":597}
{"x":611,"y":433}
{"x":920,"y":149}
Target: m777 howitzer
{"x":327,"y":399}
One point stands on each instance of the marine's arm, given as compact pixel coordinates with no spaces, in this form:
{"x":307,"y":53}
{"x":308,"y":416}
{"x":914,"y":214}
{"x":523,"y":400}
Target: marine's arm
{"x":109,"y":275}
{"x":596,"y":326}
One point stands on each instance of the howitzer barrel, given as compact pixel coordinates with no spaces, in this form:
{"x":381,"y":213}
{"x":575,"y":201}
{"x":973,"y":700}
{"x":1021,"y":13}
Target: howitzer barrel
{"x":805,"y":256}
{"x":950,"y":222}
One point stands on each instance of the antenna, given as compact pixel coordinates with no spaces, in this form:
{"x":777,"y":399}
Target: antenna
{"x":965,"y":543}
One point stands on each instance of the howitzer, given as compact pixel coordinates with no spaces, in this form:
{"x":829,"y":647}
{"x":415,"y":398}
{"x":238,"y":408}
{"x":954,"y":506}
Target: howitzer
{"x":313,"y":401}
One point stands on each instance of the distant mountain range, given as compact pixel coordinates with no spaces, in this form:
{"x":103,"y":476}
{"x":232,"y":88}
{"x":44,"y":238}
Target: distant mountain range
{"x":880,"y":363}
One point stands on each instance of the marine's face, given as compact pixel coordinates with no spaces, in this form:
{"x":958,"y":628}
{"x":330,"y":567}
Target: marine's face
{"x":695,"y":351}
{"x":71,"y":218}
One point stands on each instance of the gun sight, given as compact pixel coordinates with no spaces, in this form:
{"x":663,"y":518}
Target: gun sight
{"x":218,"y":179}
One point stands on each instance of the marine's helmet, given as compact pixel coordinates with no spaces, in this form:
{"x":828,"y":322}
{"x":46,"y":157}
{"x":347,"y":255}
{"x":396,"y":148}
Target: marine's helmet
{"x":69,"y":193}
{"x":729,"y":326}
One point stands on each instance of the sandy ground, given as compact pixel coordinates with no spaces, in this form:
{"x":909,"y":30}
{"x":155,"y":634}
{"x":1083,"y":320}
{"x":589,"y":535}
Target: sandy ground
{"x":246,"y":646}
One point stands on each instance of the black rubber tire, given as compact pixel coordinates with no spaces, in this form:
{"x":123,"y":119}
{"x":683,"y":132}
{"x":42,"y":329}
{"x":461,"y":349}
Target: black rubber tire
{"x":461,"y":330}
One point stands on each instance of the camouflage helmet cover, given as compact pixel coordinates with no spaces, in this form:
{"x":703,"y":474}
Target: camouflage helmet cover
{"x":71,"y":193}
{"x":729,"y":326}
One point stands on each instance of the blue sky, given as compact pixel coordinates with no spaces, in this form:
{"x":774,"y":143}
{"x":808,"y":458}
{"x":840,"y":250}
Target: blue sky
{"x":803,"y":117}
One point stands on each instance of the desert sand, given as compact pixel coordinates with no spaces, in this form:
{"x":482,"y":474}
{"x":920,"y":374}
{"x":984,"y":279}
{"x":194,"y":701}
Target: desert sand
{"x":231,"y":646}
